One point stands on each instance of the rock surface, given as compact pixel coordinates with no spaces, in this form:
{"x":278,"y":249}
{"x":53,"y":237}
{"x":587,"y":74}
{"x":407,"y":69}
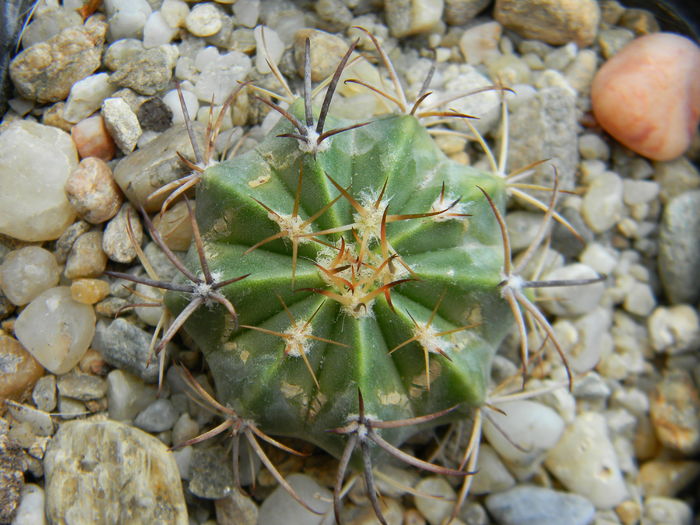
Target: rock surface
{"x":46,"y":71}
{"x":648,"y":95}
{"x":108,"y":472}
{"x":35,"y":161}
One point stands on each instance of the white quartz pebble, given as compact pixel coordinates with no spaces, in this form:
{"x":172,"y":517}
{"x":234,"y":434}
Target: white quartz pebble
{"x":174,"y":12}
{"x":203,"y":20}
{"x":247,"y":12}
{"x":585,"y":462}
{"x":55,"y":329}
{"x":35,"y":161}
{"x":31,"y":506}
{"x":157,"y":31}
{"x":86,"y":96}
{"x":524,"y":434}
{"x":27,"y":272}
{"x":172,"y":100}
{"x":269,"y":48}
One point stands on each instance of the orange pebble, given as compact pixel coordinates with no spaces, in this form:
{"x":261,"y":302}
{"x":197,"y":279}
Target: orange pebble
{"x":92,"y":139}
{"x":647,"y":96}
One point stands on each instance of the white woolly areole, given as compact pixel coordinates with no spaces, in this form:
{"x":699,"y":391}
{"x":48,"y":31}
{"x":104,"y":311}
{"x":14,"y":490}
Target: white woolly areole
{"x":311,"y":144}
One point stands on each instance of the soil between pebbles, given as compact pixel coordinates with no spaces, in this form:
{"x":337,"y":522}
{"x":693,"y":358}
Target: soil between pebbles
{"x":622,"y":448}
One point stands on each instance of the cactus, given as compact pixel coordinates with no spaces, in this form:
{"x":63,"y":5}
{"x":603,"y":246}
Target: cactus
{"x":348,"y":284}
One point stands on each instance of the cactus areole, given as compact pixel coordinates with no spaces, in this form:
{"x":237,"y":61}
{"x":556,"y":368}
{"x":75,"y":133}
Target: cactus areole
{"x":374,"y":266}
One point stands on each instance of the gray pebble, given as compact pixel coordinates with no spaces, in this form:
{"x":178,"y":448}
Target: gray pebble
{"x":86,"y":258}
{"x":127,"y":395}
{"x":148,"y":74}
{"x":125,"y":346}
{"x":572,"y":300}
{"x":122,"y":123}
{"x":591,"y":146}
{"x":67,"y":238}
{"x":667,"y":511}
{"x":676,"y":177}
{"x":159,"y":416}
{"x":155,"y":115}
{"x":529,"y":505}
{"x":602,"y":204}
{"x":613,"y":39}
{"x":44,"y":393}
{"x":210,"y":477}
{"x":679,"y":249}
{"x":84,"y":387}
{"x":458,"y":12}
{"x":116,"y":243}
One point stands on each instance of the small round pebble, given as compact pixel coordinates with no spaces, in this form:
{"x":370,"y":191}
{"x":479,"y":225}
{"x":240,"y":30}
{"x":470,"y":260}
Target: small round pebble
{"x":55,"y":329}
{"x":116,"y":243}
{"x":157,"y":417}
{"x":89,"y":291}
{"x":155,"y":115}
{"x":203,"y":20}
{"x":529,"y":505}
{"x":675,"y":329}
{"x":667,"y":511}
{"x":648,"y":97}
{"x":92,"y":138}
{"x":91,"y":190}
{"x":573,"y":299}
{"x":27,"y":272}
{"x":86,"y":258}
{"x":18,"y":369}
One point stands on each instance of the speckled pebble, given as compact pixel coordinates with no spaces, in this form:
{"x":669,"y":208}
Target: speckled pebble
{"x":203,"y":20}
{"x":86,"y":258}
{"x":126,"y":346}
{"x":122,"y":123}
{"x":116,"y":243}
{"x":675,"y":329}
{"x":92,"y":192}
{"x":19,"y":371}
{"x":27,"y":272}
{"x":84,"y":387}
{"x":44,"y":393}
{"x":675,"y":412}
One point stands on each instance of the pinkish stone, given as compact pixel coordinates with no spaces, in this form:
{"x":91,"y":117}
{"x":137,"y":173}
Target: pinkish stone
{"x":92,"y":139}
{"x":647,"y":96}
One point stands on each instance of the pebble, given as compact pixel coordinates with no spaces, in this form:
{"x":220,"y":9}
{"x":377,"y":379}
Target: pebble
{"x":412,"y":18}
{"x":203,"y":20}
{"x":175,"y":227}
{"x":89,"y":291}
{"x":571,"y":300}
{"x":154,"y":165}
{"x":675,"y":412}
{"x":667,"y":511}
{"x":640,"y":191}
{"x":159,"y":416}
{"x":523,"y":436}
{"x":602,"y":204}
{"x":121,"y":52}
{"x":270,"y":48}
{"x":184,"y":429}
{"x":591,"y":146}
{"x":674,"y":330}
{"x":435,"y":511}
{"x":238,"y":508}
{"x":48,"y":23}
{"x":31,"y":506}
{"x":108,"y":472}
{"x":27,"y":272}
{"x":37,"y":422}
{"x":172,"y":101}
{"x":122,"y":124}
{"x":53,"y":116}
{"x":584,"y":461}
{"x":209,"y":478}
{"x":69,"y":408}
{"x":679,"y":251}
{"x":86,"y":96}
{"x":92,"y":192}
{"x":157,"y":31}
{"x":492,"y":475}
{"x":667,"y":478}
{"x":46,"y":71}
{"x":555,"y":22}
{"x":12,"y":467}
{"x":484,"y":105}
{"x":83,"y":387}
{"x":479,"y":44}
{"x":127,"y":395}
{"x":149,"y":73}
{"x":44,"y":393}
{"x":459,"y":12}
{"x":116,"y":242}
{"x":155,"y":115}
{"x":614,"y":39}
{"x":126,"y":346}
{"x":645,"y":95}
{"x":55,"y":329}
{"x":19,"y":371}
{"x":639,"y":300}
{"x":279,"y":508}
{"x":92,"y":139}
{"x":530,"y":505}
{"x":174,"y":12}
{"x":35,"y":161}
{"x":545,"y":128}
{"x":326,"y":51}
{"x":219,"y":73}
{"x":86,"y":258}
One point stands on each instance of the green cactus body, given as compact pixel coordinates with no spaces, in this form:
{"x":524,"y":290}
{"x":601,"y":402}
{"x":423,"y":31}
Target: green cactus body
{"x":401,"y":269}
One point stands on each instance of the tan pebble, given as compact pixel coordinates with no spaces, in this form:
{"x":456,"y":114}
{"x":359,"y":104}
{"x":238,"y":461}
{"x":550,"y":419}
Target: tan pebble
{"x":667,"y":478}
{"x":91,"y":190}
{"x":18,"y":369}
{"x":53,"y":116}
{"x":92,"y":138}
{"x":646,"y":446}
{"x":93,"y":363}
{"x":675,"y":412}
{"x":629,"y":512}
{"x":175,"y":226}
{"x":413,"y":517}
{"x":89,"y":291}
{"x":648,"y":95}
{"x":86,"y":258}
